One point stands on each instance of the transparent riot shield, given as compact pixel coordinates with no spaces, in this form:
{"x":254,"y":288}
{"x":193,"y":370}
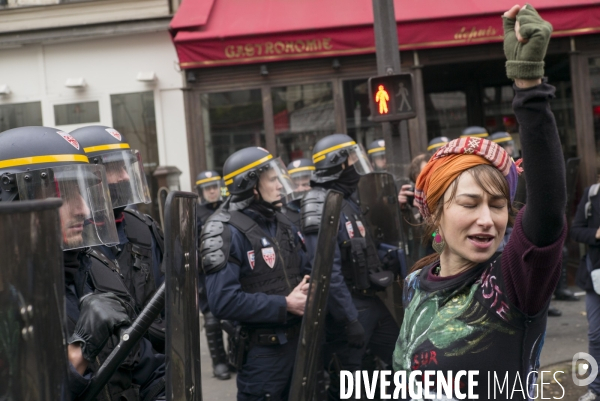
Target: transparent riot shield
{"x":33,"y":356}
{"x":308,"y":356}
{"x":379,"y":204}
{"x":380,"y":210}
{"x":183,"y":378}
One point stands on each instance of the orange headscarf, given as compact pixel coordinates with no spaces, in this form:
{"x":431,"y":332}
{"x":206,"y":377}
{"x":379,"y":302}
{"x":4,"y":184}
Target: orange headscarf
{"x":438,"y":174}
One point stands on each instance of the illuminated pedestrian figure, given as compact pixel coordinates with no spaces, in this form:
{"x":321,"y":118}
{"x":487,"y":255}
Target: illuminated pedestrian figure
{"x":382,"y":97}
{"x":403,"y":92}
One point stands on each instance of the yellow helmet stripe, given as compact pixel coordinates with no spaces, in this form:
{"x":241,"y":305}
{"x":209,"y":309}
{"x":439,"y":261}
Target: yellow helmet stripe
{"x":205,"y":180}
{"x":502,"y":139}
{"x":381,"y":149}
{"x":481,"y":135}
{"x":317,"y":157}
{"x":436,"y":145}
{"x":299,"y":169}
{"x":43,"y":159}
{"x":246,"y":168}
{"x":106,"y":147}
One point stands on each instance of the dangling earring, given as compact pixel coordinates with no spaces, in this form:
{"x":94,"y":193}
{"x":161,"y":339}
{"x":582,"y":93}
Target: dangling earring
{"x":438,"y":242}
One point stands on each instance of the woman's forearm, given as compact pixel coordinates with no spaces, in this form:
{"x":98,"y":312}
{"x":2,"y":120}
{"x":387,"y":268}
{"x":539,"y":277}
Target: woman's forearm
{"x":543,"y":162}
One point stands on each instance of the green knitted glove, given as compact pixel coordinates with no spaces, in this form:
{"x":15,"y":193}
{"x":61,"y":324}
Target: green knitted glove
{"x":526,"y":60}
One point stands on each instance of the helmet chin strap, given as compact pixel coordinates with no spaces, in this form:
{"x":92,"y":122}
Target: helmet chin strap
{"x":275,"y":204}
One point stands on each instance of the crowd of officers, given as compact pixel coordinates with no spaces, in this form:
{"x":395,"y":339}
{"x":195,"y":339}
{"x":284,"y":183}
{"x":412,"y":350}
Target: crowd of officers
{"x":258,"y":227}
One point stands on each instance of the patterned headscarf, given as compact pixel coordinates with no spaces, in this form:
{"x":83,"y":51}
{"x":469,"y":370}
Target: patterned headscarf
{"x":453,"y":159}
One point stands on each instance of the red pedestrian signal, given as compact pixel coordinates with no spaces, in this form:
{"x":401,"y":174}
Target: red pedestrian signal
{"x":391,"y":97}
{"x":382,"y":98}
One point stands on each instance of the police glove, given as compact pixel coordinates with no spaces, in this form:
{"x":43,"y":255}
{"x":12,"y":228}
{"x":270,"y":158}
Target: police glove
{"x":525,"y":58}
{"x":100,"y":315}
{"x":355,"y":334}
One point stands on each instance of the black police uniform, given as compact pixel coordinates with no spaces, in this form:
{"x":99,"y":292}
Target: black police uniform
{"x":265,"y":262}
{"x":355,"y":256}
{"x":141,"y":375}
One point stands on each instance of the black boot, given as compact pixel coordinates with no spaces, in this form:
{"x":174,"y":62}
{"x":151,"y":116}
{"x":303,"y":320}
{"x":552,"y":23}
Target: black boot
{"x":554,"y":312}
{"x":214,"y":335}
{"x":562,"y":292}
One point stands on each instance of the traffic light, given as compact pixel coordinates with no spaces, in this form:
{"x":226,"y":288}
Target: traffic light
{"x":391,"y":97}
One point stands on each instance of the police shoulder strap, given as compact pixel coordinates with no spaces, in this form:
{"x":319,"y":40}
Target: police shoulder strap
{"x":138,"y":233}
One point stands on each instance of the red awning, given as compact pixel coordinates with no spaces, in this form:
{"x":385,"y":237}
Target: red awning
{"x":209,"y":33}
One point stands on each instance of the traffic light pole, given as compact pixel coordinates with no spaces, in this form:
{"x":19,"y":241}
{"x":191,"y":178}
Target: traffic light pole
{"x":397,"y":147}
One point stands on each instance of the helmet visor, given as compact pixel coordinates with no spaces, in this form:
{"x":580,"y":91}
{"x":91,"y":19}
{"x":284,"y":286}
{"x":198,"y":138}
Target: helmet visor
{"x":357,"y":157}
{"x":274,"y":183}
{"x":211,"y":191}
{"x":86,"y":214}
{"x":126,"y":179}
{"x":301,"y":182}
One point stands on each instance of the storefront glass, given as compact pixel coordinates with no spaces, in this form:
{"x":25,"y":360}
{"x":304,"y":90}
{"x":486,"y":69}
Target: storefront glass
{"x":76,"y":113}
{"x":594,"y":65}
{"x":232,"y":121}
{"x":356,"y":103}
{"x":20,"y":115}
{"x":446,"y":114}
{"x":302,"y":114}
{"x":134,"y":116}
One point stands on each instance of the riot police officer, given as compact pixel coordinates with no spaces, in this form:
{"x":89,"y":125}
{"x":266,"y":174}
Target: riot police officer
{"x":255,"y":267}
{"x":505,"y":140}
{"x":300,"y":172}
{"x":209,"y":187}
{"x":437,"y":143}
{"x":139,"y":253}
{"x":475,"y":131}
{"x":339,"y":163}
{"x":376,"y":152}
{"x":41,"y":162}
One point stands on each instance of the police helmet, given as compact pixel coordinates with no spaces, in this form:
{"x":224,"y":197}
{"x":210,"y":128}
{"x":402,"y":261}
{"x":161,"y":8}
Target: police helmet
{"x":124,"y":168}
{"x":475,"y":131}
{"x":208,"y":180}
{"x":243,"y":169}
{"x":43,"y":162}
{"x":501,"y":137}
{"x":331,"y":152}
{"x":437,"y":143}
{"x":376,"y":152}
{"x":301,"y":172}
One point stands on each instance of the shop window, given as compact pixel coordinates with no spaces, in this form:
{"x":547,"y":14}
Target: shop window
{"x":356,"y":103}
{"x":20,"y":115}
{"x":303,"y":114}
{"x":76,"y":113}
{"x":134,"y":116}
{"x":446,"y":114}
{"x":498,"y":111}
{"x":232,"y":121}
{"x":594,"y":64}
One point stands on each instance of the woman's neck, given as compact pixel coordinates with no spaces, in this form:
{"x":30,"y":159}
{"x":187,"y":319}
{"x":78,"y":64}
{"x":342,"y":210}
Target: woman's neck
{"x":452,"y":264}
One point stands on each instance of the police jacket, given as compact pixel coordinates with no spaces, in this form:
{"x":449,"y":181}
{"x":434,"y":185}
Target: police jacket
{"x":264,"y":261}
{"x":138,"y":258}
{"x":141,"y":376}
{"x":583,"y":229}
{"x":355,"y":254}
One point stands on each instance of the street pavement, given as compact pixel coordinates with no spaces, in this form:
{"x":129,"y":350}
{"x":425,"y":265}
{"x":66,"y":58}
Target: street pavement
{"x":566,"y":335}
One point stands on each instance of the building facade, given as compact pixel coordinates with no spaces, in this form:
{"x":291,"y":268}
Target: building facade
{"x":68,"y":64}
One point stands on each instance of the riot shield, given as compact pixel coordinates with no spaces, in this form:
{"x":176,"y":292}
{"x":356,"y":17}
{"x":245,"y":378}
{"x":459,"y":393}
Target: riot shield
{"x":379,"y":204}
{"x":182,"y":350}
{"x":33,"y":356}
{"x":308,"y":356}
{"x":380,"y":210}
